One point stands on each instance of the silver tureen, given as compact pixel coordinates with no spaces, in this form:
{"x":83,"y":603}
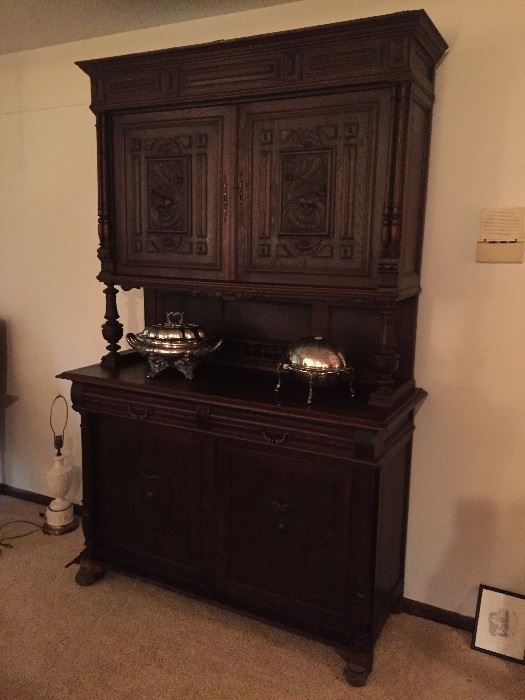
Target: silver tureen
{"x":317,"y":362}
{"x":175,"y":343}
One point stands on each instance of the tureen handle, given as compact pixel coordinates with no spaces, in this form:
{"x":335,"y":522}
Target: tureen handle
{"x":175,"y":318}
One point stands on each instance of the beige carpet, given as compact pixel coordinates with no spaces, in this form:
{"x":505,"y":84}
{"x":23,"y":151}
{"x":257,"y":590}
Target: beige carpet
{"x":124,"y":638}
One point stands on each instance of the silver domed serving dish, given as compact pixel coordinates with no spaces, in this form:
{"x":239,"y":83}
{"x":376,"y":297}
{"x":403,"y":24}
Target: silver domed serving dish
{"x":317,"y":362}
{"x":173,"y":344}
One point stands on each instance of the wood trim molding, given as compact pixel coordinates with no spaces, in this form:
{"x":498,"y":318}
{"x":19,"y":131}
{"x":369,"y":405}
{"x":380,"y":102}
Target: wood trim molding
{"x":33,"y":497}
{"x":444,"y":617}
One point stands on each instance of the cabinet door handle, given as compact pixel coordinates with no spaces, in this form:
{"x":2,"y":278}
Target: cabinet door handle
{"x":137,"y":413}
{"x":224,"y":199}
{"x":241,"y":196}
{"x":283,"y":512}
{"x":275,"y":438}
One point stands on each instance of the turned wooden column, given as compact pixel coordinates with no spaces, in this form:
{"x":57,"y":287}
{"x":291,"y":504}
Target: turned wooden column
{"x":386,"y":359}
{"x":112,"y":329}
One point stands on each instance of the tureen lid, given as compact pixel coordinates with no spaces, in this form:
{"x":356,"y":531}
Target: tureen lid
{"x":315,"y":354}
{"x":175,"y":330}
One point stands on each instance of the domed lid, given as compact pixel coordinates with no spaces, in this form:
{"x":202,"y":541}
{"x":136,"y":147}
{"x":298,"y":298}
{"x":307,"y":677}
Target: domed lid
{"x":315,"y":354}
{"x":175,"y":330}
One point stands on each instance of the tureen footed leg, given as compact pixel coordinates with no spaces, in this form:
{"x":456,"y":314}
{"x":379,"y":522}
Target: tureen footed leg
{"x":351,"y":383}
{"x":278,"y":385}
{"x":310,"y":390}
{"x":155,"y":366}
{"x":186,"y":365}
{"x":187,"y":370}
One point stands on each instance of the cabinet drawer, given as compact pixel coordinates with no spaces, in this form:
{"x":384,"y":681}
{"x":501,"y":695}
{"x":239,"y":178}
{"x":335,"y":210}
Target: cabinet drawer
{"x":145,"y":409}
{"x":315,"y":437}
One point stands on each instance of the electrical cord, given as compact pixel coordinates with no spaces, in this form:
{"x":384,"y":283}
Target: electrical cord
{"x":4,"y":541}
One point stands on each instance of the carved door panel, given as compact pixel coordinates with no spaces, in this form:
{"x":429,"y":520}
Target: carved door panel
{"x":150,"y":497}
{"x":173,"y":175}
{"x":313,"y":180}
{"x":283,"y":527}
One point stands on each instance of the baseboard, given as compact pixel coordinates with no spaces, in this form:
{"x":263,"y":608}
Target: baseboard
{"x":445,"y":617}
{"x":33,"y":497}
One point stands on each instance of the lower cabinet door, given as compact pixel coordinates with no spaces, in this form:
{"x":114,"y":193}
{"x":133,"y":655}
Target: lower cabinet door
{"x":149,"y":497}
{"x":283,"y":532}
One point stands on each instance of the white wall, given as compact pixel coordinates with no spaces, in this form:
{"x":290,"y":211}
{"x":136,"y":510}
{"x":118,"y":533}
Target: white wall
{"x":467,"y":513}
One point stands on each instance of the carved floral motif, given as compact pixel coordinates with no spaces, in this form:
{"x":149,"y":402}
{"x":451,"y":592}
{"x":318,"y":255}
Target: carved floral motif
{"x":305,"y":184}
{"x":168,"y":195}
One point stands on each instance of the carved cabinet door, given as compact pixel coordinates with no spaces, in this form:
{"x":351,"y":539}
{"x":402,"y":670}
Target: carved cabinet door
{"x":150,"y":497}
{"x":313,"y":184}
{"x":283,"y":530}
{"x":174,"y":172}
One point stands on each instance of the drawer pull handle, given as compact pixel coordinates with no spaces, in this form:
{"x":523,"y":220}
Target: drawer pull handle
{"x":275,"y":438}
{"x":202,"y":416}
{"x":138,"y":414}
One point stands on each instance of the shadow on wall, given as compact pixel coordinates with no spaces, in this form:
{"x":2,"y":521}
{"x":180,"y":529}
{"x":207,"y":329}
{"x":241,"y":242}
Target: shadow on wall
{"x":476,"y":549}
{"x":474,"y":542}
{"x":473,"y":456}
{"x":5,"y":400}
{"x":72,"y":446}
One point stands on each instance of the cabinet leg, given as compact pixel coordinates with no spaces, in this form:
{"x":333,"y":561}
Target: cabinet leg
{"x":358,"y":668}
{"x":90,"y":571}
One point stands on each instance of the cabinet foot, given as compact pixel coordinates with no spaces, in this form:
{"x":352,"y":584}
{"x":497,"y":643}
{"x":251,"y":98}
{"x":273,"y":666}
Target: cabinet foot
{"x":89,"y":572}
{"x":356,"y":675}
{"x":358,"y":668}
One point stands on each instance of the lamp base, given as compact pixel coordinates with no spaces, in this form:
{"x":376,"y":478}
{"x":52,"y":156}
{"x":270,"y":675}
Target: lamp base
{"x":61,"y":521}
{"x":61,"y":529}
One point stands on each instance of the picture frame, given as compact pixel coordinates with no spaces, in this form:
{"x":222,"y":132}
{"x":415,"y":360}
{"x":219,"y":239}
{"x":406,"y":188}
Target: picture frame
{"x":499,"y":627}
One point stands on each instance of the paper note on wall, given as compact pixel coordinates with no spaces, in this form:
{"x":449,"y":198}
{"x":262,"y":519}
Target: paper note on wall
{"x":501,"y":235}
{"x":504,"y":224}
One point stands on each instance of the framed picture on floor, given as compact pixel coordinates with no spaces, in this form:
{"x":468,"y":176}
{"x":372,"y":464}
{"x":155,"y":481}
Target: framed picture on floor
{"x":500,"y":624}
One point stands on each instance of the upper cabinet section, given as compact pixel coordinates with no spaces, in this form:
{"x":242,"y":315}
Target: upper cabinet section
{"x":291,"y":164}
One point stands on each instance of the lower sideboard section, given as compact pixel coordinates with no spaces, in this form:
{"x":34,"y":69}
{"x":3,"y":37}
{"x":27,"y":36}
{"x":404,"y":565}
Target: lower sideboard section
{"x":313,"y":541}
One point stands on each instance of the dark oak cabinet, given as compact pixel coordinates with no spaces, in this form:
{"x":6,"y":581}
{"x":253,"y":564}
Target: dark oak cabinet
{"x":270,"y":188}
